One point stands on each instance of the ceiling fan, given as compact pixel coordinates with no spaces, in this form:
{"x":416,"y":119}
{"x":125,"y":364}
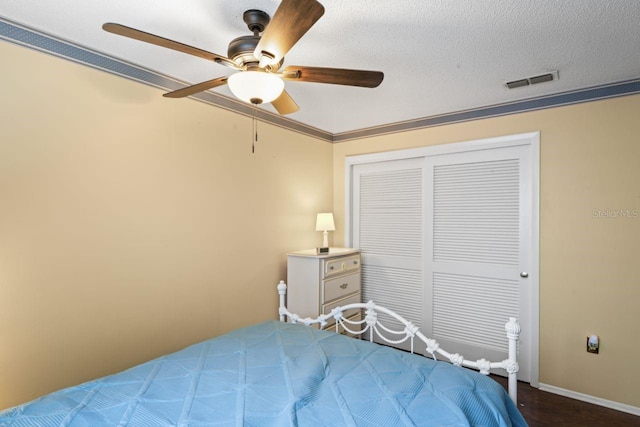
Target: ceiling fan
{"x":258,"y":58}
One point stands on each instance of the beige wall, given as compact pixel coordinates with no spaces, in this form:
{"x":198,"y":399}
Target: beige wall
{"x":589,"y":275}
{"x":132,"y":225}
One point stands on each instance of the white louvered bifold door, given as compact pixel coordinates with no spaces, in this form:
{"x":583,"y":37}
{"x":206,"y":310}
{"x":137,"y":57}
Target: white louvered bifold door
{"x":478,"y":219}
{"x":388,"y":227}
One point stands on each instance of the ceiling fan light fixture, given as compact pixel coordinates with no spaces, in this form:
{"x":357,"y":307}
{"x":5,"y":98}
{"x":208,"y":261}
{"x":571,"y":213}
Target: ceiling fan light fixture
{"x":259,"y":57}
{"x":255,"y":87}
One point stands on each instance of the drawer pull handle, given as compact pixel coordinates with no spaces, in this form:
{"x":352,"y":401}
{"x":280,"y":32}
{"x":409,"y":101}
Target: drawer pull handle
{"x":331,"y":268}
{"x":344,"y":286}
{"x":355,"y":262}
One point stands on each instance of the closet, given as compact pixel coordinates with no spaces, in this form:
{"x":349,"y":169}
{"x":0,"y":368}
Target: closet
{"x":449,"y":239}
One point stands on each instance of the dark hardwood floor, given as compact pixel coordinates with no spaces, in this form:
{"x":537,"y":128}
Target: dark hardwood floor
{"x":541,"y":408}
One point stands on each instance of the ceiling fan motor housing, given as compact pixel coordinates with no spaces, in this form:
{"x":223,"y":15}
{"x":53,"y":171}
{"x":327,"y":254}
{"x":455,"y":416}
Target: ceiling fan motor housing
{"x":241,"y":49}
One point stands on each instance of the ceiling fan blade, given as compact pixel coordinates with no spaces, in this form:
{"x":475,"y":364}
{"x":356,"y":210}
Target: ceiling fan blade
{"x":291,"y":21}
{"x":132,"y":33}
{"x":284,"y":104}
{"x":336,"y":76}
{"x":200,"y":87}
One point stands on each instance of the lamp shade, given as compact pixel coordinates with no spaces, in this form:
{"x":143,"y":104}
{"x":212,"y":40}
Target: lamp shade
{"x":255,"y":87}
{"x":324,"y":222}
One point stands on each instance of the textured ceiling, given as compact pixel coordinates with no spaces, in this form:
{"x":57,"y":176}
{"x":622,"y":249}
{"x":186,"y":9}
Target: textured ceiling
{"x":438,"y":56}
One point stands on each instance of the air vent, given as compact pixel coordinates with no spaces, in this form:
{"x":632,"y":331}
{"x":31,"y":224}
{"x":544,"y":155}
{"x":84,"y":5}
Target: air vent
{"x":548,"y":77}
{"x":518,"y":83}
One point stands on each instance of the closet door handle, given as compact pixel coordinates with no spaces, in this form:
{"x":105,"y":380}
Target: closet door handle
{"x":524,"y":274}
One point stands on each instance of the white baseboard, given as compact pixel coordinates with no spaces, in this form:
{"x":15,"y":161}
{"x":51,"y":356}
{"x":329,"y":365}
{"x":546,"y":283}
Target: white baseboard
{"x":591,"y":399}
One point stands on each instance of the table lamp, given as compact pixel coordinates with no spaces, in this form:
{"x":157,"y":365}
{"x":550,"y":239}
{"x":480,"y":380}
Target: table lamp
{"x":324,"y":223}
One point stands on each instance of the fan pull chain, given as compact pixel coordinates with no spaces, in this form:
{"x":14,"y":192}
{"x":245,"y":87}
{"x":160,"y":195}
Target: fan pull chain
{"x":254,"y":130}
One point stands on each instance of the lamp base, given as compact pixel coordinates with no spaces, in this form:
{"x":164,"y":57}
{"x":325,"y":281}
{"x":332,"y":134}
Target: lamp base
{"x":325,"y":239}
{"x":322,"y":251}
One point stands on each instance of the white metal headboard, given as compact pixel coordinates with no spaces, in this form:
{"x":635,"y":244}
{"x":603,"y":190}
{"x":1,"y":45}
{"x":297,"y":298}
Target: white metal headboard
{"x":371,"y":324}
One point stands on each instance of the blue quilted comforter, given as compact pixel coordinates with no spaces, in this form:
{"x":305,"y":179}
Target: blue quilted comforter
{"x":279,"y":374}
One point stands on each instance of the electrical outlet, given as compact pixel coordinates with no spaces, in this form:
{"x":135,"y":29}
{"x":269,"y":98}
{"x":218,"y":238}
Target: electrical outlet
{"x":593,"y":344}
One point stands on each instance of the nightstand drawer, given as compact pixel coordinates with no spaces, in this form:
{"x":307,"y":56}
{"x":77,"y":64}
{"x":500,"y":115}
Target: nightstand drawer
{"x":319,"y":282}
{"x":341,"y":265}
{"x":340,"y":287}
{"x":340,"y":303}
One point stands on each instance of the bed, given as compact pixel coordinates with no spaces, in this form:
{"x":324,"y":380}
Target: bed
{"x":289,"y":373}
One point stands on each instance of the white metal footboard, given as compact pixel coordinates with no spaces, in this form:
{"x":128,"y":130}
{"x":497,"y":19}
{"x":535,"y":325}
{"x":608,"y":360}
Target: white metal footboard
{"x":372,"y":324}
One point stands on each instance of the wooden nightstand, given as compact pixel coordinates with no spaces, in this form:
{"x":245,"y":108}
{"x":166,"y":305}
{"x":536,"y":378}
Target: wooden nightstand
{"x":319,"y":283}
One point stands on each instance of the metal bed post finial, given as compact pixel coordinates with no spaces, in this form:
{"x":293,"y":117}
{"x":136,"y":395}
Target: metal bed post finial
{"x":513,"y":334}
{"x":282,"y":291}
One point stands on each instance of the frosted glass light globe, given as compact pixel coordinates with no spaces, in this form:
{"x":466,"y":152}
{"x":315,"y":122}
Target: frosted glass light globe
{"x":255,"y":87}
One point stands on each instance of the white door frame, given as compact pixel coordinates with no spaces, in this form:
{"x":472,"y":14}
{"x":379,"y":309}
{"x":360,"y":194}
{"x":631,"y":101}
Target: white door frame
{"x":530,"y":138}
